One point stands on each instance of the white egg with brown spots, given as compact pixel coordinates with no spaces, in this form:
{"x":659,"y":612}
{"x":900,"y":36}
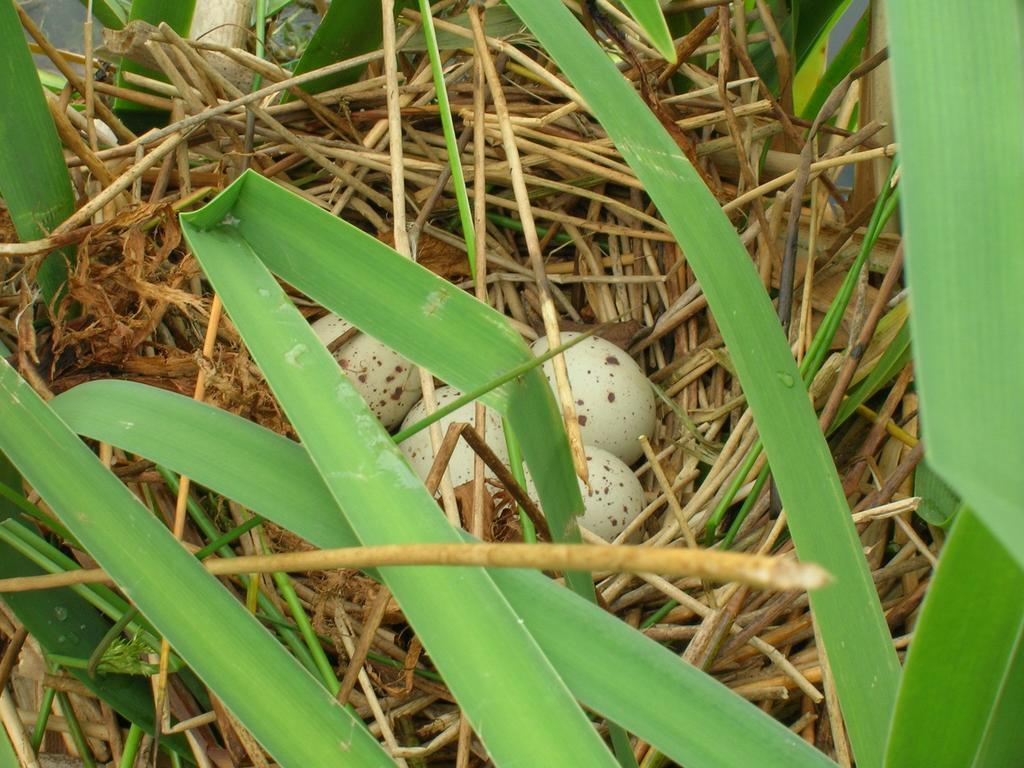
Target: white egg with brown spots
{"x":614,"y":401}
{"x":388,"y":382}
{"x":420,"y":452}
{"x":614,"y":499}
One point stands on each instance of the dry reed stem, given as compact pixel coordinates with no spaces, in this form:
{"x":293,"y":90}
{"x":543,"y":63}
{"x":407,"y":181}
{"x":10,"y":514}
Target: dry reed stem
{"x":754,"y":570}
{"x":548,"y":312}
{"x":816,"y":168}
{"x":120,"y":184}
{"x":59,"y":61}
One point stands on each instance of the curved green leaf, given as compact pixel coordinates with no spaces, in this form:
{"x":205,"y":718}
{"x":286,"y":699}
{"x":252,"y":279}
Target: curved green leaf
{"x":611,"y":668}
{"x":848,"y":612}
{"x":939,"y":504}
{"x":34,"y":180}
{"x":348,"y":29}
{"x":963,"y":683}
{"x":110,"y":13}
{"x":846,"y":59}
{"x":458,"y":614}
{"x":964,"y":233}
{"x":409,"y":309}
{"x":301,"y":724}
{"x":814,"y":20}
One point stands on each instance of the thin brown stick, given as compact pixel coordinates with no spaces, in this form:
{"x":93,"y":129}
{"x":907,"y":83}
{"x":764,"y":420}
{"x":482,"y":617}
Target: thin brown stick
{"x":853,"y":477}
{"x":893,"y":482}
{"x":362,"y":648}
{"x":800,"y":181}
{"x":442,"y":455}
{"x":688,"y":45}
{"x":11,"y":655}
{"x":74,"y":142}
{"x":835,"y":715}
{"x":121,"y":183}
{"x":280,"y":129}
{"x":779,"y":182}
{"x":181,"y":503}
{"x":479,"y":445}
{"x":60,"y":62}
{"x":828,"y":413}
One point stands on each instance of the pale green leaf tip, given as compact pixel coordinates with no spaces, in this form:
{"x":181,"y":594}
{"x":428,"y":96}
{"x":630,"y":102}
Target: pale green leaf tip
{"x":662,"y":40}
{"x":211,"y":214}
{"x":648,"y":14}
{"x":668,"y":51}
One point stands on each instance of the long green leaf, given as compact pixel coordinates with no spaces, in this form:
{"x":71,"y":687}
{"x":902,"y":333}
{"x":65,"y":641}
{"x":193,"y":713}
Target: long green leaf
{"x":611,"y":668}
{"x":409,"y":308}
{"x":458,"y":614}
{"x":963,"y":684}
{"x":962,"y":185}
{"x":301,"y":724}
{"x":963,"y":239}
{"x":803,"y":25}
{"x":34,"y":180}
{"x":848,"y":612}
{"x":349,"y":29}
{"x":37,"y":191}
{"x":64,"y":623}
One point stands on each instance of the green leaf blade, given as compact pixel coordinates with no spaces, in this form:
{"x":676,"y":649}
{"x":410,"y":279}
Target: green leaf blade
{"x":110,"y":13}
{"x":965,"y":668}
{"x":964,"y":232}
{"x":814,"y":20}
{"x":408,"y":308}
{"x":348,"y":29}
{"x":845,"y":60}
{"x":855,"y":636}
{"x":34,"y":180}
{"x":459,"y":614}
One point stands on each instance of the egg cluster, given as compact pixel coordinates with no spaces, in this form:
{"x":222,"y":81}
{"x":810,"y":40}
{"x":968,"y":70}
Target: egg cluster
{"x":614,"y":407}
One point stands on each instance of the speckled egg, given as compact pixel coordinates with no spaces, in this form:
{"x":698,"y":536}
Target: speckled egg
{"x":388,"y":382}
{"x":615,"y":496}
{"x":614,"y":402}
{"x":421,"y":454}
